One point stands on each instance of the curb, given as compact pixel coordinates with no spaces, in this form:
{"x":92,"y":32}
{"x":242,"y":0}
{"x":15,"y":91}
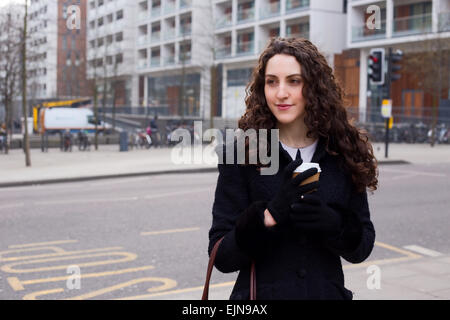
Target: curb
{"x":389,"y":162}
{"x":110,"y":176}
{"x":137,"y":174}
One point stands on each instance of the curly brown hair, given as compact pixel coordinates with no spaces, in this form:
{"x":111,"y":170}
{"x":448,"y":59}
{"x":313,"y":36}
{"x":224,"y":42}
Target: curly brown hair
{"x":326,"y":115}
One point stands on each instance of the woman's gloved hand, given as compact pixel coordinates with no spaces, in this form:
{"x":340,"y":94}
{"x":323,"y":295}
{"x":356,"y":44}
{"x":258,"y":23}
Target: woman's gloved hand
{"x":290,"y":191}
{"x":310,"y":213}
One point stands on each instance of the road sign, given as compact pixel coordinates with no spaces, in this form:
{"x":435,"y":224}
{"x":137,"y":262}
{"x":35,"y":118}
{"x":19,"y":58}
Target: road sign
{"x":386,"y":108}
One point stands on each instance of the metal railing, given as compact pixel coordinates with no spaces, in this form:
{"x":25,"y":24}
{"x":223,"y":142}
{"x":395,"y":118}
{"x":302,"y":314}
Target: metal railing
{"x":412,"y":25}
{"x":362,"y":33}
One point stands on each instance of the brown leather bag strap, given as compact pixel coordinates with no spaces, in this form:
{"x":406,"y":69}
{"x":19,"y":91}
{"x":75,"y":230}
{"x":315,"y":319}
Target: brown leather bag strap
{"x":212,"y":258}
{"x":252,"y":281}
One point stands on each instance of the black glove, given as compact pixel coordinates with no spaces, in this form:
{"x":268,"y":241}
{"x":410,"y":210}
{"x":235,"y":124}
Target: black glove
{"x":290,"y":191}
{"x":310,"y":213}
{"x":251,"y":233}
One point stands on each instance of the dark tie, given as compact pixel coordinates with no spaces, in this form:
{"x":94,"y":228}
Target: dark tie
{"x":298,"y":156}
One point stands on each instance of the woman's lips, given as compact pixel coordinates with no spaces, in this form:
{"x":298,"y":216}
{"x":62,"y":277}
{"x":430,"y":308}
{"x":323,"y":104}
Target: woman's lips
{"x":283,"y":106}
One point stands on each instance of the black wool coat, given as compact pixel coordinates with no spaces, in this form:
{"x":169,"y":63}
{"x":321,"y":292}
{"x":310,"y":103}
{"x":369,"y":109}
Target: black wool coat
{"x":289,"y":264}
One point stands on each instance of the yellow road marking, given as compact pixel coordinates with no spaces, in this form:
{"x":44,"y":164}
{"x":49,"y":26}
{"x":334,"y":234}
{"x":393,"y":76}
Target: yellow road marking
{"x":151,"y":233}
{"x":41,"y":243}
{"x":17,"y":284}
{"x":128,"y":257}
{"x":146,"y":296}
{"x":167,"y":284}
{"x":54,"y":249}
{"x":399,"y":250}
{"x":60,"y":252}
{"x":34,"y":295}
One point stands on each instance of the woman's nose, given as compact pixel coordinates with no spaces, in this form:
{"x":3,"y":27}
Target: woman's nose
{"x":282,"y":92}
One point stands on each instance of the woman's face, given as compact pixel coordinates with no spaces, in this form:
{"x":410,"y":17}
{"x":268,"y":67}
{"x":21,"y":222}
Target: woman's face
{"x":283,"y":88}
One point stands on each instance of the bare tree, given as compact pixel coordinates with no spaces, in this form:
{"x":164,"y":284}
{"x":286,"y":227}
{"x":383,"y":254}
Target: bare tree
{"x":24,"y":88}
{"x":430,"y":63}
{"x":10,"y":51}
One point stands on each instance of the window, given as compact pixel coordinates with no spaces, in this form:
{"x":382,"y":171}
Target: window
{"x":119,"y":15}
{"x":119,"y":58}
{"x":119,"y":37}
{"x":100,"y":21}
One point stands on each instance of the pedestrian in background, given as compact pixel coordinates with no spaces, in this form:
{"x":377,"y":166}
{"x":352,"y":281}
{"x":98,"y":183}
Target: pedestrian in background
{"x":295,"y":234}
{"x":156,"y":136}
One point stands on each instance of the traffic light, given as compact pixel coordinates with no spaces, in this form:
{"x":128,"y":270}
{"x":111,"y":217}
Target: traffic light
{"x":394,"y":59}
{"x":376,"y":66}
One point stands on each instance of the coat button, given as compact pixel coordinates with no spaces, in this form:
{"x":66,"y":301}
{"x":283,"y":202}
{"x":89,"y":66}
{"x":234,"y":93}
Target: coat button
{"x":301,"y":273}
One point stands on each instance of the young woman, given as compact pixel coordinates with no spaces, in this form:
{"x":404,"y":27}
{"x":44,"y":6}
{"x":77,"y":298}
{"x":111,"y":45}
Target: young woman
{"x":296,"y":234}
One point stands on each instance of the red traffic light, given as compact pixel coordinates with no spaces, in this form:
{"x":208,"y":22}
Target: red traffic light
{"x":374,"y":59}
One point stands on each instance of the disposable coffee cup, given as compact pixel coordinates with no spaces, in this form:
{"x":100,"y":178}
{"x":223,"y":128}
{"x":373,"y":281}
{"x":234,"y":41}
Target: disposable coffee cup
{"x":305,"y":166}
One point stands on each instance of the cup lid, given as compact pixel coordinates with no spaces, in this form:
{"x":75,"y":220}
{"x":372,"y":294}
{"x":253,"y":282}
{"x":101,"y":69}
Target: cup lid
{"x":308,"y":165}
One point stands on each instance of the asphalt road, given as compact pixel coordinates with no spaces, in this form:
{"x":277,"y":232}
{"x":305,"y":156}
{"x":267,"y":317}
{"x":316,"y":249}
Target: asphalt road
{"x":141,"y":237}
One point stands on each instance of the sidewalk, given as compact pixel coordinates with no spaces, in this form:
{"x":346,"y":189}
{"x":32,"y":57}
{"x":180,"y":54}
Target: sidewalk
{"x":424,"y":278}
{"x":108,"y":162}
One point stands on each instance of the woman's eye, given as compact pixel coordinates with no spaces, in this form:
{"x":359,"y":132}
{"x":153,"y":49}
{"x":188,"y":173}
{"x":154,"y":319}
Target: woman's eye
{"x":270,"y":82}
{"x":296,"y":81}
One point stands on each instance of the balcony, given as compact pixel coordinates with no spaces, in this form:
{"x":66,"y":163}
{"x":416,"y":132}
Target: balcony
{"x":169,"y":7}
{"x":269,"y":10}
{"x":362,"y":33}
{"x":304,"y":35}
{"x":169,"y":34}
{"x":156,"y":12}
{"x":223,"y":52}
{"x":224,"y":21}
{"x":156,"y":37}
{"x":142,"y":64}
{"x":185,"y":57}
{"x":245,"y":48}
{"x":296,"y":5}
{"x":155,"y":61}
{"x":246,"y":15}
{"x":444,"y":22}
{"x":142,"y":40}
{"x":169,"y":60}
{"x":184,"y":4}
{"x":412,"y":25}
{"x":142,"y":16}
{"x":186,"y":29}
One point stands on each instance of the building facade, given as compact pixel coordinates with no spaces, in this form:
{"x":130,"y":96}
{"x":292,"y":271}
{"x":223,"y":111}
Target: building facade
{"x":174,"y":56}
{"x":111,"y":43}
{"x":57,"y":50}
{"x":416,"y":27}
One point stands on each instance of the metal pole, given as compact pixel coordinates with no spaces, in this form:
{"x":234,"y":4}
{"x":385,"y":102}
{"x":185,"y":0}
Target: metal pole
{"x":388,"y":85}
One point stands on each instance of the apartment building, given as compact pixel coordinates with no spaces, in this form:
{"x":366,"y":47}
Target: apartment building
{"x":111,"y":45}
{"x":411,"y":26}
{"x":174,"y":56}
{"x":56,"y":51}
{"x":244,"y":27}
